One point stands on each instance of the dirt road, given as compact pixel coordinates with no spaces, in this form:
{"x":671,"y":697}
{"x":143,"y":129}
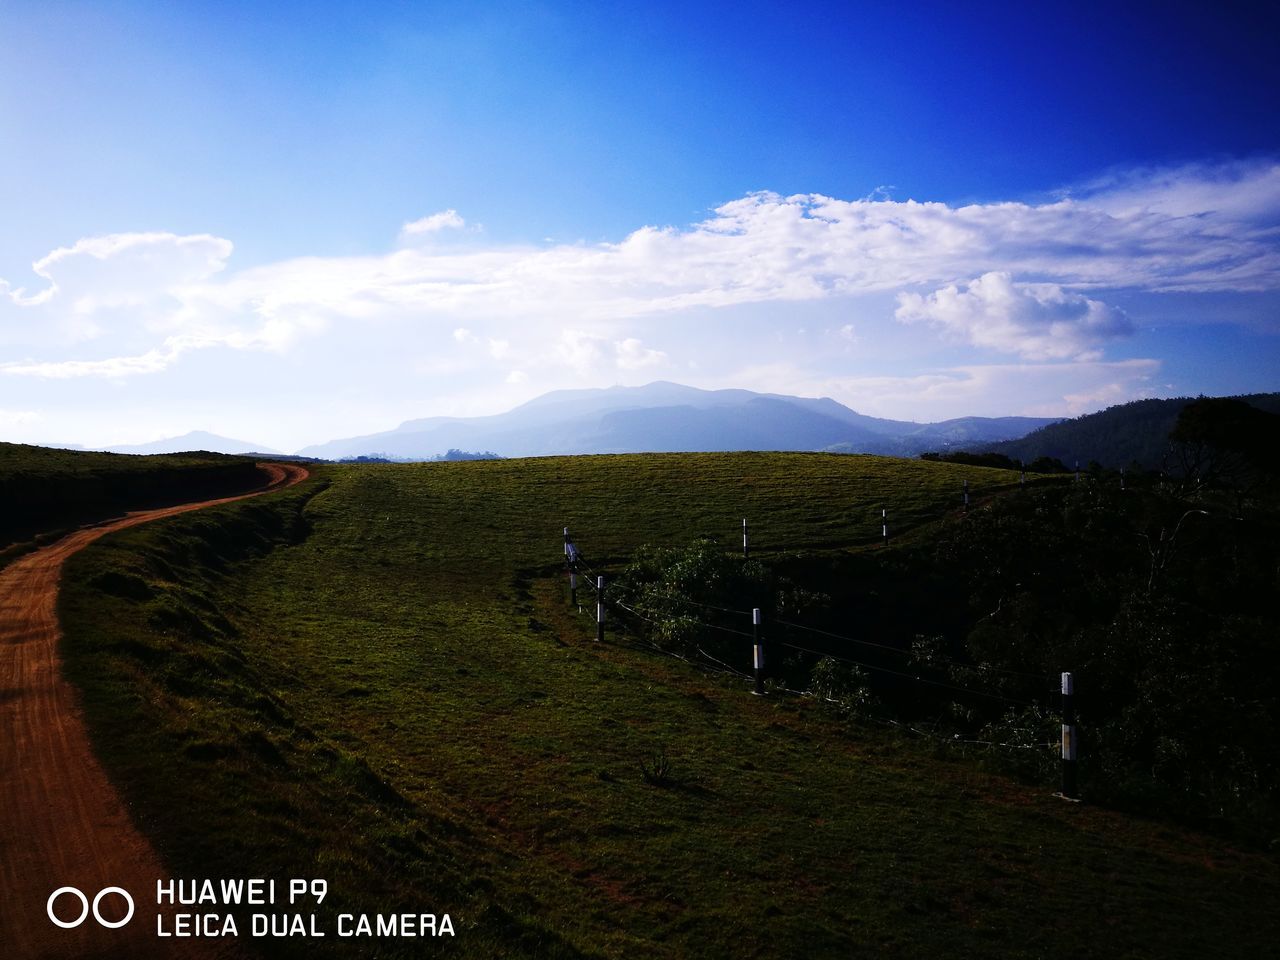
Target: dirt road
{"x":61,"y":821}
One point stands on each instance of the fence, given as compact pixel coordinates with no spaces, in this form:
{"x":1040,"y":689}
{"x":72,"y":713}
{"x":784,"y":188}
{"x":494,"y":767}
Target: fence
{"x":782,"y":634}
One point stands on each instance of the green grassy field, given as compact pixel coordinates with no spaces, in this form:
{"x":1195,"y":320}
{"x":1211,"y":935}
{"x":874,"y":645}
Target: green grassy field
{"x":375,"y":678}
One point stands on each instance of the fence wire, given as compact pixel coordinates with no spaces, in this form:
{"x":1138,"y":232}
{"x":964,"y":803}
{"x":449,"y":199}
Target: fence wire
{"x":914,"y":677}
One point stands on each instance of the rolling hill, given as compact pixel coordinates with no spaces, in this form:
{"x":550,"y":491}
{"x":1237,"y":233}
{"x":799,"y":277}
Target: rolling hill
{"x":56,"y":488}
{"x":377,"y":677}
{"x":1131,"y":433}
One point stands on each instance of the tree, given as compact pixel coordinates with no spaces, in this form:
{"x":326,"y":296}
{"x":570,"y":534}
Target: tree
{"x":1221,"y":442}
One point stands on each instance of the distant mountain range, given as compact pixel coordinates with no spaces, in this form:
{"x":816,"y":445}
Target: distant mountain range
{"x":669,"y":417}
{"x":195,"y":440}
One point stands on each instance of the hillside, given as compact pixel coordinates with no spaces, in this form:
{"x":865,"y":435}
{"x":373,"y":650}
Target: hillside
{"x":669,"y":417}
{"x":55,"y":488}
{"x":377,"y":678}
{"x":1132,"y":433}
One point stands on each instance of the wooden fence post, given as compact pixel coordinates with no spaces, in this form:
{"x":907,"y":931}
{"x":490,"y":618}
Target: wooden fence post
{"x":599,"y":609}
{"x":757,"y":652}
{"x":1070,"y":789}
{"x":571,"y":561}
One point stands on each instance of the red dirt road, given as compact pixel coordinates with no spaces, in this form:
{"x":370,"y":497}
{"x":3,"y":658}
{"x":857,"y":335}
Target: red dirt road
{"x":61,"y":821}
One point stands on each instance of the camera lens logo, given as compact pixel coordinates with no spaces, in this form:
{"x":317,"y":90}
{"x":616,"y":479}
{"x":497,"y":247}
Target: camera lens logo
{"x":84,"y":907}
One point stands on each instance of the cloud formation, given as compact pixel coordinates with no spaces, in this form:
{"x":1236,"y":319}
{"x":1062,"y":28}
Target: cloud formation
{"x":585,"y":352}
{"x":1038,"y":321}
{"x":1042,"y":272}
{"x":1038,"y":389}
{"x":9,"y":418}
{"x":114,"y":368}
{"x":631,"y":354}
{"x":444,"y":220}
{"x":124,"y":269}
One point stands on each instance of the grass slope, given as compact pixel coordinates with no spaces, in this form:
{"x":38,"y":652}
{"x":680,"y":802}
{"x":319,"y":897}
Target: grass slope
{"x":375,"y":678}
{"x":59,"y":489}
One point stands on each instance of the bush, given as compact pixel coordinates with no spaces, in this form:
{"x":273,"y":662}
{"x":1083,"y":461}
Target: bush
{"x":682,"y":595}
{"x":845,"y":684}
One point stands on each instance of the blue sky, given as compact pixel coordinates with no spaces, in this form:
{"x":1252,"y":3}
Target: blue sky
{"x":289,"y":222}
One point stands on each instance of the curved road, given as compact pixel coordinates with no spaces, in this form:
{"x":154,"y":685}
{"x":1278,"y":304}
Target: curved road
{"x":61,"y":821}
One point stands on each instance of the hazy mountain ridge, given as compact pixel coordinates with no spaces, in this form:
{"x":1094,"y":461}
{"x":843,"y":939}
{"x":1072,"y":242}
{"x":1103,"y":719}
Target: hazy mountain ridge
{"x":671,"y":417}
{"x":195,"y":440}
{"x":664,"y":417}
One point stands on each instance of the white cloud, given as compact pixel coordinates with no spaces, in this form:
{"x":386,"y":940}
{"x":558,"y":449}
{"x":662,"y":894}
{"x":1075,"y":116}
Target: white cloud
{"x":1098,"y":396}
{"x":587,"y":353}
{"x":1038,"y":321}
{"x":1242,"y":191}
{"x":1024,"y":389}
{"x":497,"y":347}
{"x":1060,"y":389}
{"x":153,"y":361}
{"x":124,"y":269}
{"x":579,"y":350}
{"x":1191,"y":229}
{"x":444,"y":220}
{"x":633,"y":355}
{"x":13,"y":418}
{"x":19,"y":296}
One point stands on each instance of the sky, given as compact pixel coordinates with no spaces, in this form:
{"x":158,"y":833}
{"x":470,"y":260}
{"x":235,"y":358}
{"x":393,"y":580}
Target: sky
{"x":288,"y":223}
